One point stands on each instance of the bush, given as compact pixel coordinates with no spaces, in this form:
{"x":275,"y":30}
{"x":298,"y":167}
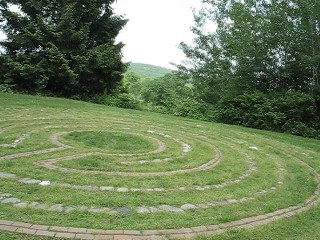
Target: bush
{"x":5,"y":88}
{"x":123,"y":100}
{"x":293,"y":112}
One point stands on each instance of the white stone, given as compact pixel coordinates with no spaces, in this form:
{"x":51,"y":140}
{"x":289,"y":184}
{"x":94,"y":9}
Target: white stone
{"x":254,"y":148}
{"x":142,"y":210}
{"x":122,"y":189}
{"x":106,"y":188}
{"x":45,"y":183}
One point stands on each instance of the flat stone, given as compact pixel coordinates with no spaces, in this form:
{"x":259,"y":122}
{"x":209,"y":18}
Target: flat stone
{"x":69,"y":209}
{"x":57,"y":207}
{"x":30,"y":181}
{"x":153,"y":209}
{"x":10,"y":200}
{"x":188,"y":206}
{"x":202,"y":205}
{"x":34,"y":204}
{"x":169,"y":208}
{"x":83,"y":208}
{"x":5,"y":195}
{"x":7,"y":175}
{"x":232,"y":200}
{"x":106,"y":188}
{"x":124,"y":210}
{"x":135,"y":189}
{"x":96,"y":210}
{"x":44,"y":183}
{"x":122,"y":189}
{"x":21,"y":205}
{"x":142,"y":210}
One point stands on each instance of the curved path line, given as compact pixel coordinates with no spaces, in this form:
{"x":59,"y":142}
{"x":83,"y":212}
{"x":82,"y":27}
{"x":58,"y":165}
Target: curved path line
{"x":49,"y":164}
{"x":248,"y":172}
{"x":100,"y":234}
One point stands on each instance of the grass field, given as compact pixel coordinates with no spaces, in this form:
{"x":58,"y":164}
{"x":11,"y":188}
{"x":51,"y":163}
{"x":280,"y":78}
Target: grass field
{"x":74,"y":164}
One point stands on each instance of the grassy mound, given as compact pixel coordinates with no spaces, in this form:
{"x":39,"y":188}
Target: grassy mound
{"x":117,"y":169}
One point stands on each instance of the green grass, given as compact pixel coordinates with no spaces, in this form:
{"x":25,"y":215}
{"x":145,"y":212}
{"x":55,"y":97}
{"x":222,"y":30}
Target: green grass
{"x":109,"y":141}
{"x":112,"y":141}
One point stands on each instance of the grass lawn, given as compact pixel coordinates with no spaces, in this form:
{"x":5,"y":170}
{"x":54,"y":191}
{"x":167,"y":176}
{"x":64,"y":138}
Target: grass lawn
{"x":74,"y":164}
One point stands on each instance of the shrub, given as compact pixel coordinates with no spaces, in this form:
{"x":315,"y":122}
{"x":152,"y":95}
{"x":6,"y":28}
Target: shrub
{"x":292,"y":112}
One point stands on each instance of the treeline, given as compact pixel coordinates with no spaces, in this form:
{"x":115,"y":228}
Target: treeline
{"x":252,"y":63}
{"x":294,"y":112}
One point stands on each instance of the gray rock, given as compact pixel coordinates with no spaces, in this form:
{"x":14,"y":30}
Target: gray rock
{"x":83,"y":208}
{"x":57,"y":207}
{"x":142,"y":210}
{"x":30,"y":181}
{"x":103,"y":188}
{"x":188,"y":206}
{"x":7,"y":175}
{"x":21,"y":205}
{"x":34,"y":204}
{"x":169,"y":208}
{"x":96,"y":210}
{"x":122,"y":189}
{"x":10,"y":200}
{"x":5,"y":195}
{"x":124,"y":210}
{"x":154,"y":209}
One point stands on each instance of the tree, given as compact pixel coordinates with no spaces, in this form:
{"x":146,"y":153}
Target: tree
{"x":61,"y":47}
{"x":262,"y":45}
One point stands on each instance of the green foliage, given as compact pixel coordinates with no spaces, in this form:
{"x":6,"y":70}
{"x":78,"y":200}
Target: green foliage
{"x":147,"y":70}
{"x":293,"y":112}
{"x":123,"y":100}
{"x":62,"y":48}
{"x":266,"y":46}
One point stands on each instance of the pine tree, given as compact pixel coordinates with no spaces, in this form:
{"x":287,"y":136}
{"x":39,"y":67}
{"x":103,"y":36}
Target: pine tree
{"x":61,"y":47}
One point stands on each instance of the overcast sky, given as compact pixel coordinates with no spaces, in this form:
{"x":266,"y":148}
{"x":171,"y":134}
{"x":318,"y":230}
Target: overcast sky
{"x":155,"y":29}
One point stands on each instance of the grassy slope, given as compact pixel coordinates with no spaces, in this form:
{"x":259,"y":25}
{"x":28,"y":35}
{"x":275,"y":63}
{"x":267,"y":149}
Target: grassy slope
{"x":303,"y":226}
{"x":148,"y":71}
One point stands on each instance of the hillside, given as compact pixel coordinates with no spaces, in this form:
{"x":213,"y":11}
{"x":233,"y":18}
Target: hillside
{"x":148,"y":71}
{"x":79,"y":170}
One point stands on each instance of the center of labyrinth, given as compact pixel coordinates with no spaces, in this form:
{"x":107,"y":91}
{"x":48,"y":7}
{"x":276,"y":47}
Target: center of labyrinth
{"x":146,"y":179}
{"x":111,"y":142}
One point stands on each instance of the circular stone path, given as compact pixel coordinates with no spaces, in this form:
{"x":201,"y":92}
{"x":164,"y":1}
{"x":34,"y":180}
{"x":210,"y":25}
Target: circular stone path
{"x":184,"y":152}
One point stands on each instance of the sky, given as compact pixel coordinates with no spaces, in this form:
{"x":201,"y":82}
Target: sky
{"x":155,"y":29}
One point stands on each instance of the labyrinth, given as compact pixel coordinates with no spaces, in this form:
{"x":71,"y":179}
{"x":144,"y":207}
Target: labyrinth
{"x":78,"y":170}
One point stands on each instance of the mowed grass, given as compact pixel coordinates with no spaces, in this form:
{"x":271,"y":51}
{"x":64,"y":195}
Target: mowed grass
{"x":285,"y":167}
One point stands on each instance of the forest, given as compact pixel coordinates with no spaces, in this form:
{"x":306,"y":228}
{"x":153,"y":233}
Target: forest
{"x":259,"y":66}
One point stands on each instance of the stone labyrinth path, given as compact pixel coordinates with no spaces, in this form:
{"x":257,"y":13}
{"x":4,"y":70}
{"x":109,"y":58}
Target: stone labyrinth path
{"x":112,"y":174}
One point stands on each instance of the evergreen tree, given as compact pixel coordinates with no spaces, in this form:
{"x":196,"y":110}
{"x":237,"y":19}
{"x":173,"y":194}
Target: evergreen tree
{"x":61,"y":47}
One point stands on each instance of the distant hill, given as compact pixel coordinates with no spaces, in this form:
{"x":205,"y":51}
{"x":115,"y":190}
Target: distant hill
{"x":148,"y":71}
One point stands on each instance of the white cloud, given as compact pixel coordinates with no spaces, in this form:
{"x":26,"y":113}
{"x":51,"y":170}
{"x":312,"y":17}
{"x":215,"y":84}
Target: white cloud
{"x":155,"y":29}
